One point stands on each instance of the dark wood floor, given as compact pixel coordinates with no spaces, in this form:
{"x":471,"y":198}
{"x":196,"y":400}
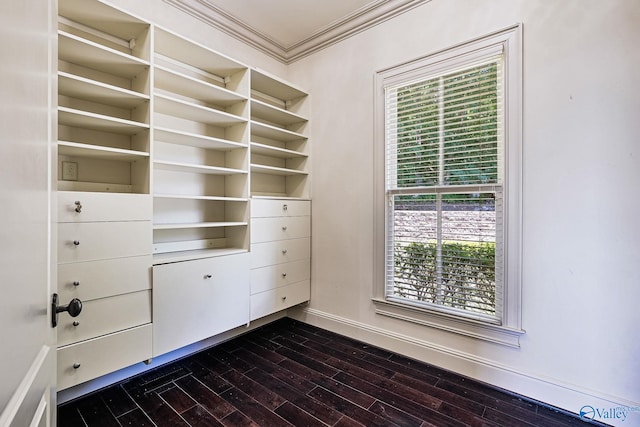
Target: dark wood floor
{"x":289,"y":373}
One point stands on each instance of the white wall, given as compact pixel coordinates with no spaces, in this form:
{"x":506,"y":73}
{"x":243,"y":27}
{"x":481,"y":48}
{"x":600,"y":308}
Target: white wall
{"x":581,"y":282}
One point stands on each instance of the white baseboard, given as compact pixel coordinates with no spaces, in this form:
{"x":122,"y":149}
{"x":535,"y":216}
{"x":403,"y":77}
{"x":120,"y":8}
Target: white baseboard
{"x":549,"y":391}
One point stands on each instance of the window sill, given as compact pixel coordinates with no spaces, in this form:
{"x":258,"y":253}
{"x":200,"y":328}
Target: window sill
{"x":496,"y":334}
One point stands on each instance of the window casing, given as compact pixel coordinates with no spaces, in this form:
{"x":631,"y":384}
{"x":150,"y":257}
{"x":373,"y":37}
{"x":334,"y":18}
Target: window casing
{"x":448,"y":158}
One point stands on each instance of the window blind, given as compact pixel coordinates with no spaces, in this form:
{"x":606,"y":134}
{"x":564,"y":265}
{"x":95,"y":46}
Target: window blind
{"x":444,"y":189}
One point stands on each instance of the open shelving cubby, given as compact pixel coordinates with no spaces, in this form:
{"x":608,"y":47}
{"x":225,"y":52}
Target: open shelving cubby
{"x":201,"y":151}
{"x":103,"y":99}
{"x":279,"y":145}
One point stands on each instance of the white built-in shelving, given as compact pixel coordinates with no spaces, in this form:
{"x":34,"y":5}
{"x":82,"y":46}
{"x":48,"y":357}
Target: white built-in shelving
{"x":279,"y":144}
{"x":103,"y":99}
{"x":201,"y":151}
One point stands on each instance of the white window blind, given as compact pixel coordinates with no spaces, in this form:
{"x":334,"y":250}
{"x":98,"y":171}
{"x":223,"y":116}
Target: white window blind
{"x":444,"y":179}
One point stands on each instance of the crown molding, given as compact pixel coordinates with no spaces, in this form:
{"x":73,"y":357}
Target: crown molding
{"x":354,"y":23}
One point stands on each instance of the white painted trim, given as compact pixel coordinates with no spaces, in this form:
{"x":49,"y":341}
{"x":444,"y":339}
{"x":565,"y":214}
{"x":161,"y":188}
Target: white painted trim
{"x":40,"y":413}
{"x":496,"y":334}
{"x":360,"y":20}
{"x":19,"y":395}
{"x":550,"y":391}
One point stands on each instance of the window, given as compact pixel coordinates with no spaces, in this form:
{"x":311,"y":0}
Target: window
{"x":451,"y":138}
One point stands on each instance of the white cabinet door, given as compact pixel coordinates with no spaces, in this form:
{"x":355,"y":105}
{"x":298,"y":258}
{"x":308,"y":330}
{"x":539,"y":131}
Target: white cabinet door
{"x":27,"y":85}
{"x":194,"y":300}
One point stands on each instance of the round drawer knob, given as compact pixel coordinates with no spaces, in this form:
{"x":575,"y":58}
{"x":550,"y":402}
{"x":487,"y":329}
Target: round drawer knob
{"x":78,"y":206}
{"x":76,"y":365}
{"x":285,"y":207}
{"x":284,"y":298}
{"x":208,"y":276}
{"x":284,"y":275}
{"x":284,"y":252}
{"x":76,"y":283}
{"x":76,"y":242}
{"x":76,"y":323}
{"x":284,"y":228}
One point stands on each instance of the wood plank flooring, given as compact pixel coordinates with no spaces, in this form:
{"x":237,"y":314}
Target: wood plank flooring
{"x":292,"y":374}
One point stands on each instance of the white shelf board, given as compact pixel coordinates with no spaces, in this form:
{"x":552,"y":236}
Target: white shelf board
{"x":77,"y":149}
{"x":102,"y":17}
{"x":84,"y":119}
{"x":197,"y":113}
{"x":271,"y":85}
{"x":91,"y":90}
{"x":169,"y":257}
{"x":188,"y":86}
{"x":189,"y":52}
{"x":276,"y":133}
{"x":268,"y":150}
{"x":194,"y":140}
{"x":199,"y":225}
{"x":278,"y":197}
{"x":192,"y":168}
{"x":88,"y":54}
{"x":263,"y":111}
{"x":96,"y":187}
{"x":272,"y":170}
{"x":205,"y":198}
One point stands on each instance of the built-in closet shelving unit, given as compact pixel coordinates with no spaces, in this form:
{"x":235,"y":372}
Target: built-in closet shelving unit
{"x":201,"y":151}
{"x":280,"y":208}
{"x":279,"y":145}
{"x":183,"y":185}
{"x":103,"y":199}
{"x":201,"y":192}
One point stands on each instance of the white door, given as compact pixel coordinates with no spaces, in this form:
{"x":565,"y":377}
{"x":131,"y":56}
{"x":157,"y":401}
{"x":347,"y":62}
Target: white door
{"x":27,"y":340}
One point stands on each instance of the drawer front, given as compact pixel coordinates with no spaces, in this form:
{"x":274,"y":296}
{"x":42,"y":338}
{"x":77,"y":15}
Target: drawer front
{"x":280,"y":228}
{"x":279,"y":207}
{"x":103,"y":355}
{"x":98,"y":279}
{"x":275,"y":276}
{"x":103,"y":207}
{"x":272,"y":301}
{"x":101,"y":240}
{"x":270,"y":253}
{"x":103,"y":316}
{"x":194,"y":300}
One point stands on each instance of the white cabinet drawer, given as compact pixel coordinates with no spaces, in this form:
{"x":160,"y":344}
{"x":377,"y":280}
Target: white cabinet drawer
{"x":98,"y":279}
{"x":87,"y":360}
{"x":270,"y":253}
{"x":267,"y":208}
{"x":194,"y":300}
{"x":103,"y":207}
{"x":275,"y":276}
{"x":280,"y":228}
{"x":100,"y":240}
{"x":104,"y":316}
{"x":278,"y":299}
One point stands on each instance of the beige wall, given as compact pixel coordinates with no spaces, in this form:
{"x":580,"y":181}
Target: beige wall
{"x":581,"y":280}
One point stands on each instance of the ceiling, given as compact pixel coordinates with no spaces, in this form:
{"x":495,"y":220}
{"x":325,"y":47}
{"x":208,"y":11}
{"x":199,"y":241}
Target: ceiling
{"x":291,"y":29}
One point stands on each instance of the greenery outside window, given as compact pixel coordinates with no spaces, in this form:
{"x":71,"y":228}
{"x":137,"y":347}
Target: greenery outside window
{"x":451,"y":138}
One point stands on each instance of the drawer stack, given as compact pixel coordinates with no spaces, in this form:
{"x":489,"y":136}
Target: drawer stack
{"x":104,"y":256}
{"x":280,"y":254}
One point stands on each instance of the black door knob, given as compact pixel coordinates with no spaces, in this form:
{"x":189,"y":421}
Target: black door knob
{"x":74,"y":308}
